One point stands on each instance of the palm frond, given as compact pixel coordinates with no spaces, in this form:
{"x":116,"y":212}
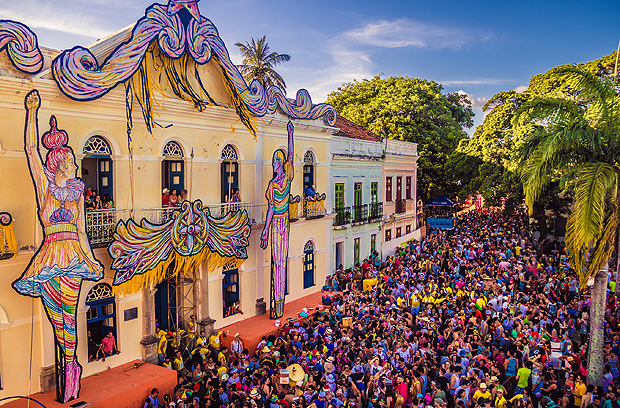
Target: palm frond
{"x":595,"y":183}
{"x":546,"y":109}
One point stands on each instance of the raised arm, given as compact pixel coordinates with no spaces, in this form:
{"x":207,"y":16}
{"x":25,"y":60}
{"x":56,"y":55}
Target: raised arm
{"x":291,"y":146}
{"x":31,"y":145}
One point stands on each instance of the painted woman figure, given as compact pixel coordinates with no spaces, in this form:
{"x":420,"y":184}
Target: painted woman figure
{"x":65,"y":258}
{"x":278,"y":222}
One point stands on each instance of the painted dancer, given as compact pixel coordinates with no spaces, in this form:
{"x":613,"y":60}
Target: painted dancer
{"x":277,"y":222}
{"x":56,"y":271}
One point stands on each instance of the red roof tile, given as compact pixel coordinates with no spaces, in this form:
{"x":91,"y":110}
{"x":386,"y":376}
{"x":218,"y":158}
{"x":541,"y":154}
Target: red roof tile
{"x":353,"y":130}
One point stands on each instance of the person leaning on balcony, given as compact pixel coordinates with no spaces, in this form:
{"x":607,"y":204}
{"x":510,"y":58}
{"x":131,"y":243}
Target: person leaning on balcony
{"x":173,"y":200}
{"x":108,"y":203}
{"x":108,"y":345}
{"x":165,"y":197}
{"x":309,"y":191}
{"x":97,"y":204}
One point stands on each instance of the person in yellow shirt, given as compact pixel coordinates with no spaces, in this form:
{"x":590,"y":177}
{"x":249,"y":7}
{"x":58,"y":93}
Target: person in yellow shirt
{"x":192,"y":328}
{"x":482,"y":392}
{"x":162,"y":348}
{"x":221,"y":370}
{"x":215,"y":339}
{"x":167,"y":364}
{"x":579,"y":390}
{"x":202,"y":340}
{"x":500,"y":401}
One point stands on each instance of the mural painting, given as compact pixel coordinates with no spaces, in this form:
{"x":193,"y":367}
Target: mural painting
{"x":277,"y":224}
{"x":64,"y":259}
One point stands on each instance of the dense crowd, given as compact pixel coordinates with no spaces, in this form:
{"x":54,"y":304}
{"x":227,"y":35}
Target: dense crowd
{"x":477,"y":317}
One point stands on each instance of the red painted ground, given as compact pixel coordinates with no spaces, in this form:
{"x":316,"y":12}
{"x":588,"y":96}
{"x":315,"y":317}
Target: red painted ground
{"x":254,"y":328}
{"x":123,"y":386}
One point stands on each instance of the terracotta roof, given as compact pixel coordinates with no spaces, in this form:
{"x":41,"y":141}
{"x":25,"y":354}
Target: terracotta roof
{"x":353,"y":130}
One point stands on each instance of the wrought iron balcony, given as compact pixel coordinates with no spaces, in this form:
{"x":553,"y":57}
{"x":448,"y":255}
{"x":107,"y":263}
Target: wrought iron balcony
{"x":343,"y":216}
{"x":376,"y":212}
{"x":359,"y":213}
{"x":101,"y":224}
{"x":401,"y":206}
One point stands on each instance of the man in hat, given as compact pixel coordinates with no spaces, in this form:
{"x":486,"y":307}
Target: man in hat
{"x":236,"y":345}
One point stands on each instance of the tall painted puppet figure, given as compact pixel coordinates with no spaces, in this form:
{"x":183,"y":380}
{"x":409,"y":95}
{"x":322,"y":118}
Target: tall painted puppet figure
{"x":278,"y":223}
{"x":64,"y":259}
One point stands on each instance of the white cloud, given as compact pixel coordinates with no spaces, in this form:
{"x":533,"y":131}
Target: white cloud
{"x":344,"y":64}
{"x":521,"y":88}
{"x":405,"y":32}
{"x":89,"y":18}
{"x":476,"y":102}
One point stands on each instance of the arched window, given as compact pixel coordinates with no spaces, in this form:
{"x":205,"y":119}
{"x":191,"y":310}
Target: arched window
{"x":229,"y":172}
{"x":97,"y":145}
{"x":172,"y":149}
{"x":308,"y":265}
{"x":97,"y":168}
{"x":230,"y":289}
{"x":308,"y":171}
{"x":100,"y":317}
{"x":173,"y":168}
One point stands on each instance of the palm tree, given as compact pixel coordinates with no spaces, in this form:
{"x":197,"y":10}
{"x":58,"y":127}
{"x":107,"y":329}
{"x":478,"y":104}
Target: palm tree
{"x":577,"y":142}
{"x":258,"y":63}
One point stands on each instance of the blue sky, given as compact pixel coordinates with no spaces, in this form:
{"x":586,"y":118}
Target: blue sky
{"x":478,"y":47}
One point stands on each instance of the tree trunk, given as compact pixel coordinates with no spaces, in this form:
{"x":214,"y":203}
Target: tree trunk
{"x":598,"y":301}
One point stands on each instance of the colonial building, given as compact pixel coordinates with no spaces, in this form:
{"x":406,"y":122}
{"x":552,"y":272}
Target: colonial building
{"x":400,"y":219}
{"x":356,"y":188}
{"x":207,"y":155}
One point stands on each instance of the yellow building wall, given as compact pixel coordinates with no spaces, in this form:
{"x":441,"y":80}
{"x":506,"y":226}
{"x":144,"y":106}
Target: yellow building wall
{"x":205,"y":134}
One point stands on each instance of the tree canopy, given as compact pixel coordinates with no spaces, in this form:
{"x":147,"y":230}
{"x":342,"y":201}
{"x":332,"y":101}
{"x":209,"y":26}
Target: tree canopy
{"x":495,"y":141}
{"x":414,"y":110}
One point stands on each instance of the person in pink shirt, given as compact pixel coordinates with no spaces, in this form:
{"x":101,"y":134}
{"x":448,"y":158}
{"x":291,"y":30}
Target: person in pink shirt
{"x":108,"y":345}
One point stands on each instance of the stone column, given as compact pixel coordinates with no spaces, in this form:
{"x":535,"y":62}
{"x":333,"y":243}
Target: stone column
{"x":149,"y":341}
{"x":259,"y":194}
{"x":201,"y":301}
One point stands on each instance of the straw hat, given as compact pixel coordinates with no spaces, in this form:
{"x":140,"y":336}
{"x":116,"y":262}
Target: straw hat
{"x":254,"y":393}
{"x":296,"y":373}
{"x":329,"y":367}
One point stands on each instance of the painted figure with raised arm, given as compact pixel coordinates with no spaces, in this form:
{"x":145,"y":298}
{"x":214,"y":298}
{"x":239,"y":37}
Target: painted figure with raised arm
{"x":277,"y":222}
{"x":64,"y":259}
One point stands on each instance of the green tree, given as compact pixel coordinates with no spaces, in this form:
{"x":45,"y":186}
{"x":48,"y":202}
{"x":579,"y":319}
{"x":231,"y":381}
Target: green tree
{"x":259,"y":63}
{"x":576,"y":142}
{"x":414,"y":110}
{"x":496,"y":139}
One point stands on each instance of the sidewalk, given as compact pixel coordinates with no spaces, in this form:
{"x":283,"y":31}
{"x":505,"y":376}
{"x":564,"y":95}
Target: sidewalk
{"x":254,"y":328}
{"x":122,"y":386}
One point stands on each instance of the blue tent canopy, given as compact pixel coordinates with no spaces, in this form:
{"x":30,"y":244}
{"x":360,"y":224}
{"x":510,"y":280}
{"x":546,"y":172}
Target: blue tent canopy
{"x":442,"y":201}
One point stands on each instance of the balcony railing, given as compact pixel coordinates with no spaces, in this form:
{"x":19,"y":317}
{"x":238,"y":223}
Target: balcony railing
{"x":359,"y":213}
{"x":376,"y":212}
{"x":101,"y":224}
{"x":293,"y":207}
{"x":314,"y":207}
{"x":411,"y":205}
{"x":401,"y":206}
{"x":343,"y":216}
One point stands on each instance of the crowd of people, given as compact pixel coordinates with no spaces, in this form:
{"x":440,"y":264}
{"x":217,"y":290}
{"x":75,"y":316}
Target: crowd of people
{"x":477,"y":317}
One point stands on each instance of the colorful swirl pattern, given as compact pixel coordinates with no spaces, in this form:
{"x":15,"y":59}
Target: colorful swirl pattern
{"x":22,"y":46}
{"x":189,"y":239}
{"x":79,"y":76}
